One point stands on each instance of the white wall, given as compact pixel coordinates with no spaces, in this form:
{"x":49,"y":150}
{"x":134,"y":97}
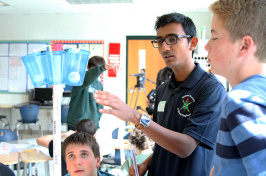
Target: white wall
{"x":110,"y":27}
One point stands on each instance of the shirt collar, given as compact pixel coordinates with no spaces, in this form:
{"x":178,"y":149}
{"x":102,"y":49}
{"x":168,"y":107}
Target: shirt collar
{"x":191,"y":80}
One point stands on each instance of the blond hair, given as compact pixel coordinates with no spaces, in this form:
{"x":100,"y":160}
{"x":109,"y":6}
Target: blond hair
{"x":244,"y":17}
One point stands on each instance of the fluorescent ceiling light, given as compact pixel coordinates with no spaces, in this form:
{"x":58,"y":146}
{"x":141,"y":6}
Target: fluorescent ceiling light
{"x":98,"y":1}
{"x":3,"y":4}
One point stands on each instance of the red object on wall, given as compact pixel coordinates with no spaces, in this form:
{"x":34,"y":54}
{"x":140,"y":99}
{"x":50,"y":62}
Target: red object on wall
{"x":114,"y":57}
{"x":57,"y":47}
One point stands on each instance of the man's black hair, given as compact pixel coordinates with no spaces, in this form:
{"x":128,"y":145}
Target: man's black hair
{"x":187,"y":24}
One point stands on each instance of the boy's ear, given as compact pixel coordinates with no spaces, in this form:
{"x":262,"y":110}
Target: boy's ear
{"x":193,"y":43}
{"x":247,"y":43}
{"x":98,"y":161}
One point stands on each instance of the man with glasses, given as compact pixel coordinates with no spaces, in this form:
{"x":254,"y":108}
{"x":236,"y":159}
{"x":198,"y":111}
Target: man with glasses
{"x":187,"y":111}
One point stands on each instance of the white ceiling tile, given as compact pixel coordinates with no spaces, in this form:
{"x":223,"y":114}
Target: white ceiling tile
{"x":62,"y":6}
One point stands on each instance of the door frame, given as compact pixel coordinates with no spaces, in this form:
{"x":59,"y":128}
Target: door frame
{"x":136,"y":37}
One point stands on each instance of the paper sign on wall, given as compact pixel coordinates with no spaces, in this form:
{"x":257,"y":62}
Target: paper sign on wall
{"x":114,"y":57}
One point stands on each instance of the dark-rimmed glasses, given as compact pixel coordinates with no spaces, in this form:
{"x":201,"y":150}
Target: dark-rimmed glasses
{"x":170,"y":40}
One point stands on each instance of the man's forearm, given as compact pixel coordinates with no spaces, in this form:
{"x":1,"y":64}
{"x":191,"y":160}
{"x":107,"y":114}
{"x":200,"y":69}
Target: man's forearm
{"x":148,"y":160}
{"x":180,"y":144}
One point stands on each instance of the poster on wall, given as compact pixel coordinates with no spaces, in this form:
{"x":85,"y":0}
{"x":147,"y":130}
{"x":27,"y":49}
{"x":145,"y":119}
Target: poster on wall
{"x":84,"y":47}
{"x":4,"y":49}
{"x":96,"y":50}
{"x":17,"y":75}
{"x":18,"y":49}
{"x":13,"y":74}
{"x":114,"y":57}
{"x":57,"y":47}
{"x":4,"y":73}
{"x":68,"y":46}
{"x":36,"y":47}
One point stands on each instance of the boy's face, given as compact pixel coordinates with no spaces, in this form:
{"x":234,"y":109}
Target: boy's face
{"x":81,"y":161}
{"x":222,"y":53}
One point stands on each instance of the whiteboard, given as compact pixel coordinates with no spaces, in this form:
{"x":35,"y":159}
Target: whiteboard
{"x":4,"y":73}
{"x":18,"y":49}
{"x":33,"y":47}
{"x":17,"y":75}
{"x":3,"y":49}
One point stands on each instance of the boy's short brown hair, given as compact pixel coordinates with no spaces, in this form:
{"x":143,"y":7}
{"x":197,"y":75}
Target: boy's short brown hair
{"x":96,"y":60}
{"x":81,"y":138}
{"x":87,"y":125}
{"x":244,"y":17}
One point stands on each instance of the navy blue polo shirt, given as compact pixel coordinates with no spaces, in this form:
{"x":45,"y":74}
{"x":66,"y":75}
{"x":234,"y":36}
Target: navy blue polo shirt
{"x":192,"y":108}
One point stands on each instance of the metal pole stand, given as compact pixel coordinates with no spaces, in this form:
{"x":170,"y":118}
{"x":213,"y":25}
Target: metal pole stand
{"x":140,"y":88}
{"x":57,"y":95}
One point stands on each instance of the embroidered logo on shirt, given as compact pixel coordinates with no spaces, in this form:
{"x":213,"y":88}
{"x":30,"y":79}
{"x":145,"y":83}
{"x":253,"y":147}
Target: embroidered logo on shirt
{"x":161,"y":106}
{"x":184,"y":111}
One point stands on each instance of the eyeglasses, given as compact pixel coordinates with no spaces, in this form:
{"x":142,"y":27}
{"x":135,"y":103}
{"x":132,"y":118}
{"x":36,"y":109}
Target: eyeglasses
{"x":170,"y":40}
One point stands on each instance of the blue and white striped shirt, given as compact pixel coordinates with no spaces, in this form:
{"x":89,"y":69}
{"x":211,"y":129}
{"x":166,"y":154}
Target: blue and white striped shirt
{"x":241,"y":141}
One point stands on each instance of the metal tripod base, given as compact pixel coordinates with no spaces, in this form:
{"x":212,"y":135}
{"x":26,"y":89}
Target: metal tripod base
{"x":140,"y":88}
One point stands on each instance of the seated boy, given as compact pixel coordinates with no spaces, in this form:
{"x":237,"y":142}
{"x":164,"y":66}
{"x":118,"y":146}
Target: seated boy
{"x":82,"y":155}
{"x":85,"y":125}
